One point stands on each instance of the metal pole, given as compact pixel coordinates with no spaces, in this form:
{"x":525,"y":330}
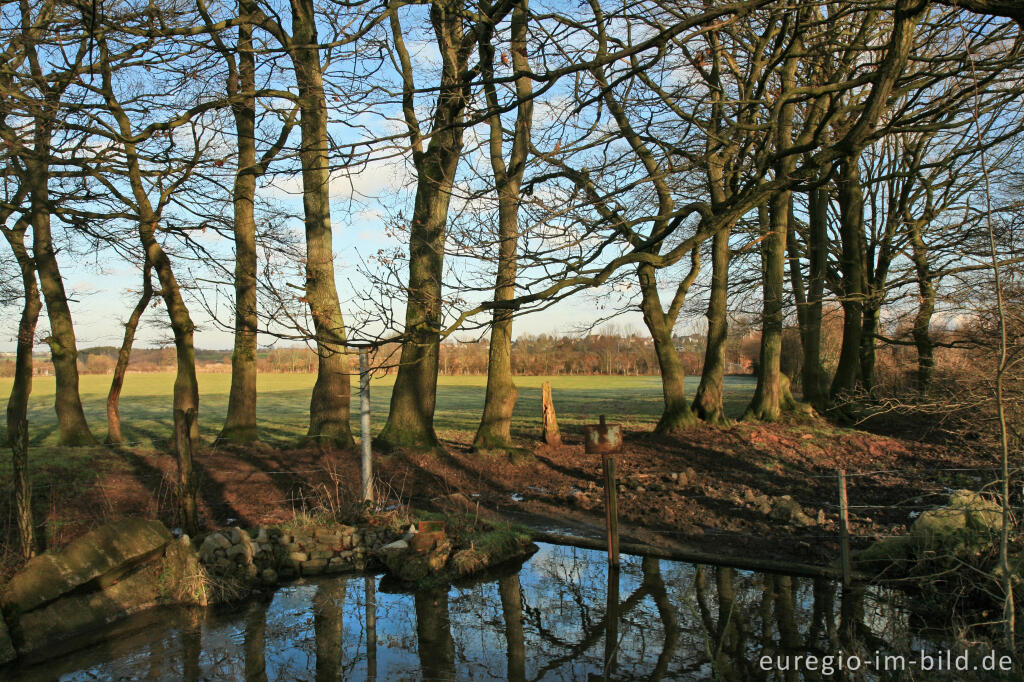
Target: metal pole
{"x":364,"y":423}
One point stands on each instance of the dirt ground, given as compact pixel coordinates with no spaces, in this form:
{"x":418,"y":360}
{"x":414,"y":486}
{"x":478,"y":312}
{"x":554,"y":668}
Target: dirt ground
{"x":707,"y":489}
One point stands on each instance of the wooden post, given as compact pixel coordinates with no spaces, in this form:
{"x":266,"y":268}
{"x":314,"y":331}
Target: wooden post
{"x":366,"y":441}
{"x":611,"y":628}
{"x":611,"y":511}
{"x":550,"y":433}
{"x":844,"y":529}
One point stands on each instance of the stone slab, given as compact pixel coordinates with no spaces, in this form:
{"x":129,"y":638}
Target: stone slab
{"x":103,"y":555}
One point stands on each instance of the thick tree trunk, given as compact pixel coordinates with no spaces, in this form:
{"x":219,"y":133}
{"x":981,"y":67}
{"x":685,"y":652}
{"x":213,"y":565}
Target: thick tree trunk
{"x":17,"y":404}
{"x":869,"y":328}
{"x":814,"y":378}
{"x":771,"y":396}
{"x":676,"y":412}
{"x":411,"y":416}
{"x":123,"y":356}
{"x":708,"y":403}
{"x":851,"y":226}
{"x":73,"y":429}
{"x":329,"y":405}
{"x":495,"y":430}
{"x":767,"y":402}
{"x":240,"y":423}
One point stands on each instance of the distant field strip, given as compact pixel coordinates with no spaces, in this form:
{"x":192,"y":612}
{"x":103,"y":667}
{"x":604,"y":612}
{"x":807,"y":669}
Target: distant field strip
{"x":283,"y":404}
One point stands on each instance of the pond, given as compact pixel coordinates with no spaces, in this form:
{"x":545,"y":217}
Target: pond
{"x":563,"y":616}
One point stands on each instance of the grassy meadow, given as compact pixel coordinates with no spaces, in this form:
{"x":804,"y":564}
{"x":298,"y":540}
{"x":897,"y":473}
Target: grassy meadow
{"x":283,"y":404}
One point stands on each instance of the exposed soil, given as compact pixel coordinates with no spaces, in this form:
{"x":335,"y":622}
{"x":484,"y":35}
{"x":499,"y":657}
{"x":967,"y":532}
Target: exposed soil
{"x":718,"y":507}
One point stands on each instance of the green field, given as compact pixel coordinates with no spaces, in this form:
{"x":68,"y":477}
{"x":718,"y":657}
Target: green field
{"x":284,"y":403}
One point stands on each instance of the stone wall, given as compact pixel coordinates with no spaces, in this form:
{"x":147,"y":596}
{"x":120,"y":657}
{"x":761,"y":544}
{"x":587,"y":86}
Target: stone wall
{"x":134,"y":564}
{"x":270,"y":554}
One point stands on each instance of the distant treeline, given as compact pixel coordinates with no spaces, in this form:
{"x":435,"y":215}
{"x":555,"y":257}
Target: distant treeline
{"x":608,"y":354}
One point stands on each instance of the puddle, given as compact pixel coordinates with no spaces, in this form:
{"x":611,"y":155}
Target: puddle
{"x":562,"y":616}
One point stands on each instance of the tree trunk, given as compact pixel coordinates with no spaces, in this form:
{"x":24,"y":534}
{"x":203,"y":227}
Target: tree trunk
{"x":926,"y":308}
{"x":771,"y":396}
{"x":240,"y":423}
{"x":814,"y":379}
{"x":71,"y":422}
{"x":851,"y":227}
{"x":411,"y":416}
{"x":709,"y":404}
{"x":495,"y":430}
{"x":329,"y":405}
{"x":123,"y":356}
{"x":676,"y":412}
{"x":185,"y":408}
{"x":766,"y":404}
{"x":17,"y":404}
{"x":186,"y":486}
{"x":869,"y":328}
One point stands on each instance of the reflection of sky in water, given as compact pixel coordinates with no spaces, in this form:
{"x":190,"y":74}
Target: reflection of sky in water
{"x":674,"y":618}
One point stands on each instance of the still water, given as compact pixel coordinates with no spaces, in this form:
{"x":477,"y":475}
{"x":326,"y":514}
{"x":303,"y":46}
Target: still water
{"x":561,"y":616}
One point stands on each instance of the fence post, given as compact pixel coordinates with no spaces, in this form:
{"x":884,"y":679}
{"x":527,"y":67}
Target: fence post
{"x":364,"y":423}
{"x":611,"y":510}
{"x":844,"y":529}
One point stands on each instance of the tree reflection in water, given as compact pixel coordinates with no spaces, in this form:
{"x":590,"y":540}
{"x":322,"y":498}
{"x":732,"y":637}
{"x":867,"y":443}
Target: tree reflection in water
{"x":562,"y":616}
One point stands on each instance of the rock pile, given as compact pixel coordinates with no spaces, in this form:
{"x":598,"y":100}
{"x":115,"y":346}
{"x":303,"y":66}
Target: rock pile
{"x":267,"y":554}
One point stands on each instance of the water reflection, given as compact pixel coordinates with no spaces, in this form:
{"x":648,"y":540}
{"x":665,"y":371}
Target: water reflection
{"x":562,"y":616}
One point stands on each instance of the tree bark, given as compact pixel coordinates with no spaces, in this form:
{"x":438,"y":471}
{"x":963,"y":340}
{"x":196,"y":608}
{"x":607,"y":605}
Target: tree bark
{"x":676,"y":412}
{"x":329,"y":405}
{"x":17,"y":403}
{"x":766,"y":404}
{"x":869,"y":328}
{"x":925,"y":309}
{"x":708,"y":403}
{"x":240,"y":422}
{"x":114,"y":435}
{"x":851,"y":227}
{"x":495,"y":430}
{"x":186,"y":486}
{"x":71,"y":422}
{"x":814,"y":378}
{"x":410,"y":420}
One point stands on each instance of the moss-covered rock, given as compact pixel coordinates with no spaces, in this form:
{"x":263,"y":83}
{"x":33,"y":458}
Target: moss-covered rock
{"x":99,"y":557}
{"x":957,"y":532}
{"x":7,"y":651}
